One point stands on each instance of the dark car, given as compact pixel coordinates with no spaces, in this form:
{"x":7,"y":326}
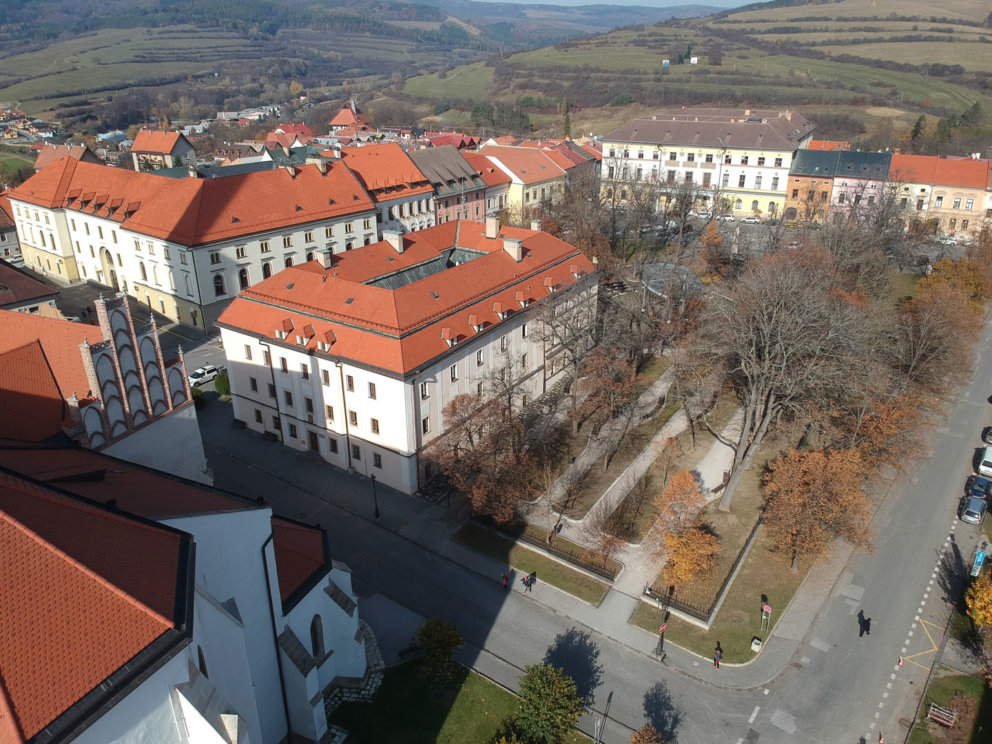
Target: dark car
{"x":978,"y":487}
{"x":987,"y":435}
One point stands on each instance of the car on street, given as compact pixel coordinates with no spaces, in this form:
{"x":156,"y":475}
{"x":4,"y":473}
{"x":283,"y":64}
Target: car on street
{"x":985,"y":462}
{"x":947,"y":240}
{"x":972,"y":510}
{"x":987,"y":435}
{"x":700,"y":215}
{"x":752,"y":220}
{"x":978,"y":486}
{"x":202,"y":375}
{"x":724,"y":218}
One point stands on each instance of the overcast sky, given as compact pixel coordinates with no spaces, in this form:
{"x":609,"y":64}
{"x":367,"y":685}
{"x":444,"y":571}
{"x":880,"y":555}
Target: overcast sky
{"x":649,"y":3}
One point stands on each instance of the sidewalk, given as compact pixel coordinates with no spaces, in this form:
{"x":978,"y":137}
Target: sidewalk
{"x":431,"y":526}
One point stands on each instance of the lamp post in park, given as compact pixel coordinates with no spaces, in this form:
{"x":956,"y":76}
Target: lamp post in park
{"x":375,"y":498}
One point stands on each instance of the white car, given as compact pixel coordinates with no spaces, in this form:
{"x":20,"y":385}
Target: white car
{"x":203,"y":374}
{"x":724,"y":217}
{"x":751,"y":220}
{"x":947,"y":240}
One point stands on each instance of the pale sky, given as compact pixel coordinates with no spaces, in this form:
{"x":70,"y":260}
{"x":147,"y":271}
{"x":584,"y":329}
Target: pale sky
{"x":645,"y":3}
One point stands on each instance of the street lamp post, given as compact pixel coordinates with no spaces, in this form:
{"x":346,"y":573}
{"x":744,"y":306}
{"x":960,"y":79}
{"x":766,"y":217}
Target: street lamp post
{"x":375,"y":498}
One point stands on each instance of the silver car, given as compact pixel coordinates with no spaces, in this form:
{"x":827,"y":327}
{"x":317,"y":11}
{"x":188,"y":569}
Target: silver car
{"x":972,"y":510}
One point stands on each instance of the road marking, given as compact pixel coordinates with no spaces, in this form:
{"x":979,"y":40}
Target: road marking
{"x":884,"y":695}
{"x":931,"y":650}
{"x":892,"y":676}
{"x":888,"y":685}
{"x":767,"y":690}
{"x":819,"y":644}
{"x":754,"y":714}
{"x":782,"y":720}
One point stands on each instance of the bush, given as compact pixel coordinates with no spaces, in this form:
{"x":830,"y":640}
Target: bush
{"x":222,"y":384}
{"x":198,"y":400}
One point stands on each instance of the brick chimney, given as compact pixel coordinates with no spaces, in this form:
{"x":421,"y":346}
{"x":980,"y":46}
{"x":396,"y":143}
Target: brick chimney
{"x":492,"y":227}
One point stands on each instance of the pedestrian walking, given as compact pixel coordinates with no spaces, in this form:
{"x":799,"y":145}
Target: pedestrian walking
{"x":530,"y":580}
{"x":505,"y":580}
{"x":717,"y":655}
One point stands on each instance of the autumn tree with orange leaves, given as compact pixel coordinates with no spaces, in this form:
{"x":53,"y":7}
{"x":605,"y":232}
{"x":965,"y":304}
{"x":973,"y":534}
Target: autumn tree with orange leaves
{"x":679,"y":503}
{"x":815,"y":497}
{"x":691,"y":554}
{"x":647,"y":734}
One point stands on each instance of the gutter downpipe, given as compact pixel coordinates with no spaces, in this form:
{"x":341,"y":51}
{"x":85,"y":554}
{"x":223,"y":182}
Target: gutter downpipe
{"x":344,"y":406}
{"x":275,"y":639}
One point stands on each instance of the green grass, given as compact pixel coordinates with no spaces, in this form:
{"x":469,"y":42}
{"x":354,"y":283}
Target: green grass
{"x":764,"y":572}
{"x":465,"y":83}
{"x":15,"y":160}
{"x":945,"y":686}
{"x":966,"y":9}
{"x":404,"y":711}
{"x":528,"y":561}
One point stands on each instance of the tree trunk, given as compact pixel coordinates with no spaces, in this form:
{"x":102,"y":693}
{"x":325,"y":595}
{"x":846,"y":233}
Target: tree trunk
{"x":747,"y":446}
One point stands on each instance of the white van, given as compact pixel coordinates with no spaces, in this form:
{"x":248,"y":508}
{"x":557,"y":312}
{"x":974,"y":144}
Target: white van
{"x":985,"y":464}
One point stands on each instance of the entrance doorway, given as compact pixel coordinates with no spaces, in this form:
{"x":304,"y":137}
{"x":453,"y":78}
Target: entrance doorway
{"x":314,"y":445}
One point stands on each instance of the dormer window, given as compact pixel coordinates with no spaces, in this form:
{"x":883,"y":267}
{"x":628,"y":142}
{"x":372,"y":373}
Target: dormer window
{"x":524,"y":301}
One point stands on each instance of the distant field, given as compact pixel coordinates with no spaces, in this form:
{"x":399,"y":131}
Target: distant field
{"x":468,"y":83}
{"x":971,"y":10}
{"x":973,"y":57}
{"x":16,"y":159}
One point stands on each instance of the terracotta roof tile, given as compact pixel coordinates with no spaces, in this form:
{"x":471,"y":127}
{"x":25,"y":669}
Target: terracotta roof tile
{"x":527,"y":164}
{"x":6,"y":211}
{"x":964,"y":172}
{"x":155,"y":141}
{"x":33,"y":407}
{"x":492,"y":175}
{"x":386,"y":171}
{"x":17,"y":286}
{"x":48,"y":153}
{"x":83,"y":592}
{"x":399,"y":330}
{"x":299,"y":552}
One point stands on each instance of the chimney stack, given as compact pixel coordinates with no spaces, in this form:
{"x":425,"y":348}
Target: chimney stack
{"x":326,"y":259}
{"x":394,"y":238}
{"x":492,"y":227}
{"x":536,"y":225}
{"x":515,"y":248}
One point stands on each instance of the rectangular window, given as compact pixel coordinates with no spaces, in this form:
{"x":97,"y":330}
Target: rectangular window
{"x":264,"y":246}
{"x":267,"y":357}
{"x":502,"y":343}
{"x":795,"y":193}
{"x":308,"y":404}
{"x":258,"y":416}
{"x":367,"y":224}
{"x":377,"y":460}
{"x":325,"y":376}
{"x":778,"y":162}
{"x":272,"y":390}
{"x":292,"y":431}
{"x":774,"y":183}
{"x":353,"y":418}
{"x":670,"y":176}
{"x":304,"y":372}
{"x":523,"y":331}
{"x":956,"y":204}
{"x":182,"y":258}
{"x":673,"y":156}
{"x":332,"y":445}
{"x":688,"y":176}
{"x":328,"y":232}
{"x":308,"y":236}
{"x":287,"y":241}
{"x":740,"y":181}
{"x":351,"y":383}
{"x":709,"y":157}
{"x":761,"y":161}
{"x":726,"y":179}
{"x":523,"y":362}
{"x":425,"y":391}
{"x":480,"y":357}
{"x":240,"y":251}
{"x":275,"y":422}
{"x":964,"y":224}
{"x":743,"y":159}
{"x":348,"y":228}
{"x":372,"y":390}
{"x":969,"y":204}
{"x":425,"y":425}
{"x":691,"y":157}
{"x":214,"y":257}
{"x":453,"y":372}
{"x":329,"y":412}
{"x":284,"y":364}
{"x":253,"y":384}
{"x":479,"y":389}
{"x":375,"y":426}
{"x":706,"y":180}
{"x":726,"y":160}
{"x":757,"y":181}
{"x":287,"y":396}
{"x":939,"y":202}
{"x":356,"y":452}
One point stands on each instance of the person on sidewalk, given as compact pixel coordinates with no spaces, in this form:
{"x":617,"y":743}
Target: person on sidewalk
{"x":717,"y":655}
{"x":530,"y":580}
{"x":505,"y":580}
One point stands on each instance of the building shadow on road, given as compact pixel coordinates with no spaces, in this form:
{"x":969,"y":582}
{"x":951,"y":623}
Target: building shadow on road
{"x":660,"y":710}
{"x":575,"y":653}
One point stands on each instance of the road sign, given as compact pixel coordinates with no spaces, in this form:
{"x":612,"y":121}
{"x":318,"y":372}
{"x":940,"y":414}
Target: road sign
{"x":662,"y":628}
{"x":979,"y":560}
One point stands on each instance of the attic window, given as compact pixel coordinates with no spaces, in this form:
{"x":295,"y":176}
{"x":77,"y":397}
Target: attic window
{"x":389,"y":258}
{"x":354,"y":197}
{"x":349,"y":300}
{"x":290,"y":285}
{"x":299,"y":208}
{"x":234,"y":219}
{"x":435,"y":295}
{"x":330,"y":201}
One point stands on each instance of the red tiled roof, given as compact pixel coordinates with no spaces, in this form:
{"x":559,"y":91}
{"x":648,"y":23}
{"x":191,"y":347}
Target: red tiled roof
{"x":48,"y":153}
{"x":84,"y":591}
{"x":302,"y":130}
{"x":193,"y":211}
{"x":595,"y":150}
{"x":348,"y":118}
{"x":18,"y":286}
{"x":33,"y":407}
{"x":6,"y":211}
{"x":828,"y":145}
{"x":386,"y":171}
{"x":527,"y":164}
{"x":60,"y":341}
{"x":963,"y":172}
{"x":155,"y":141}
{"x":492,"y":175}
{"x":399,"y":330}
{"x":299,"y":554}
{"x":912,"y":168}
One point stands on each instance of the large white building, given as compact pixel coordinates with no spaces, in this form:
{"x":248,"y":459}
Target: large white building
{"x":356,"y":361}
{"x":742,"y":156}
{"x":185,"y":246}
{"x":142,"y":609}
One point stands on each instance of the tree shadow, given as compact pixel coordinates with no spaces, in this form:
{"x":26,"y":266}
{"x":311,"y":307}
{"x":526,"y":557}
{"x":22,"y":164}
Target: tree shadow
{"x":952,"y":574}
{"x":660,"y":710}
{"x":577,"y":655}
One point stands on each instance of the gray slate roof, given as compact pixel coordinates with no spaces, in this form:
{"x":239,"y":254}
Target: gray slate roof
{"x":738,"y":128}
{"x":446,"y":169}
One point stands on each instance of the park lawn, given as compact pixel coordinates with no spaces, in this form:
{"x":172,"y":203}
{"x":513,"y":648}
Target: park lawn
{"x":404,"y":711}
{"x":529,"y":561}
{"x":764,"y":572}
{"x":944,"y":687}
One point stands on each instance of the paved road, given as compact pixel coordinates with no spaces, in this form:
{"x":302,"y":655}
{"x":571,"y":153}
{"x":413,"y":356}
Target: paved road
{"x":839,"y":687}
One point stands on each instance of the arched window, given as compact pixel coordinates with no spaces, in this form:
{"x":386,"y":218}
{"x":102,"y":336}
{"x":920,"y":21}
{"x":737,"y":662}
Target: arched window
{"x":141,"y":268}
{"x":219,"y":284}
{"x":772,"y":207}
{"x":201,"y":661}
{"x":289,"y":261}
{"x":754,"y":206}
{"x":309,"y":256}
{"x":266,"y":270}
{"x":243,"y":278}
{"x":317,"y":637}
{"x":738,"y":204}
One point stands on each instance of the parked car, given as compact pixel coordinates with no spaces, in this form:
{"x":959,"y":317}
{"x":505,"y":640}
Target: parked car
{"x":972,"y":510}
{"x":985,"y":463}
{"x":700,"y":215}
{"x":947,"y":240}
{"x":987,"y":435}
{"x":751,"y":220}
{"x":724,"y":217}
{"x":978,"y":486}
{"x":203,"y":374}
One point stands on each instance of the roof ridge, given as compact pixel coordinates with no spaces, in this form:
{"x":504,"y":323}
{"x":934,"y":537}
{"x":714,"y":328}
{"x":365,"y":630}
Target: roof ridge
{"x":83,"y":568}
